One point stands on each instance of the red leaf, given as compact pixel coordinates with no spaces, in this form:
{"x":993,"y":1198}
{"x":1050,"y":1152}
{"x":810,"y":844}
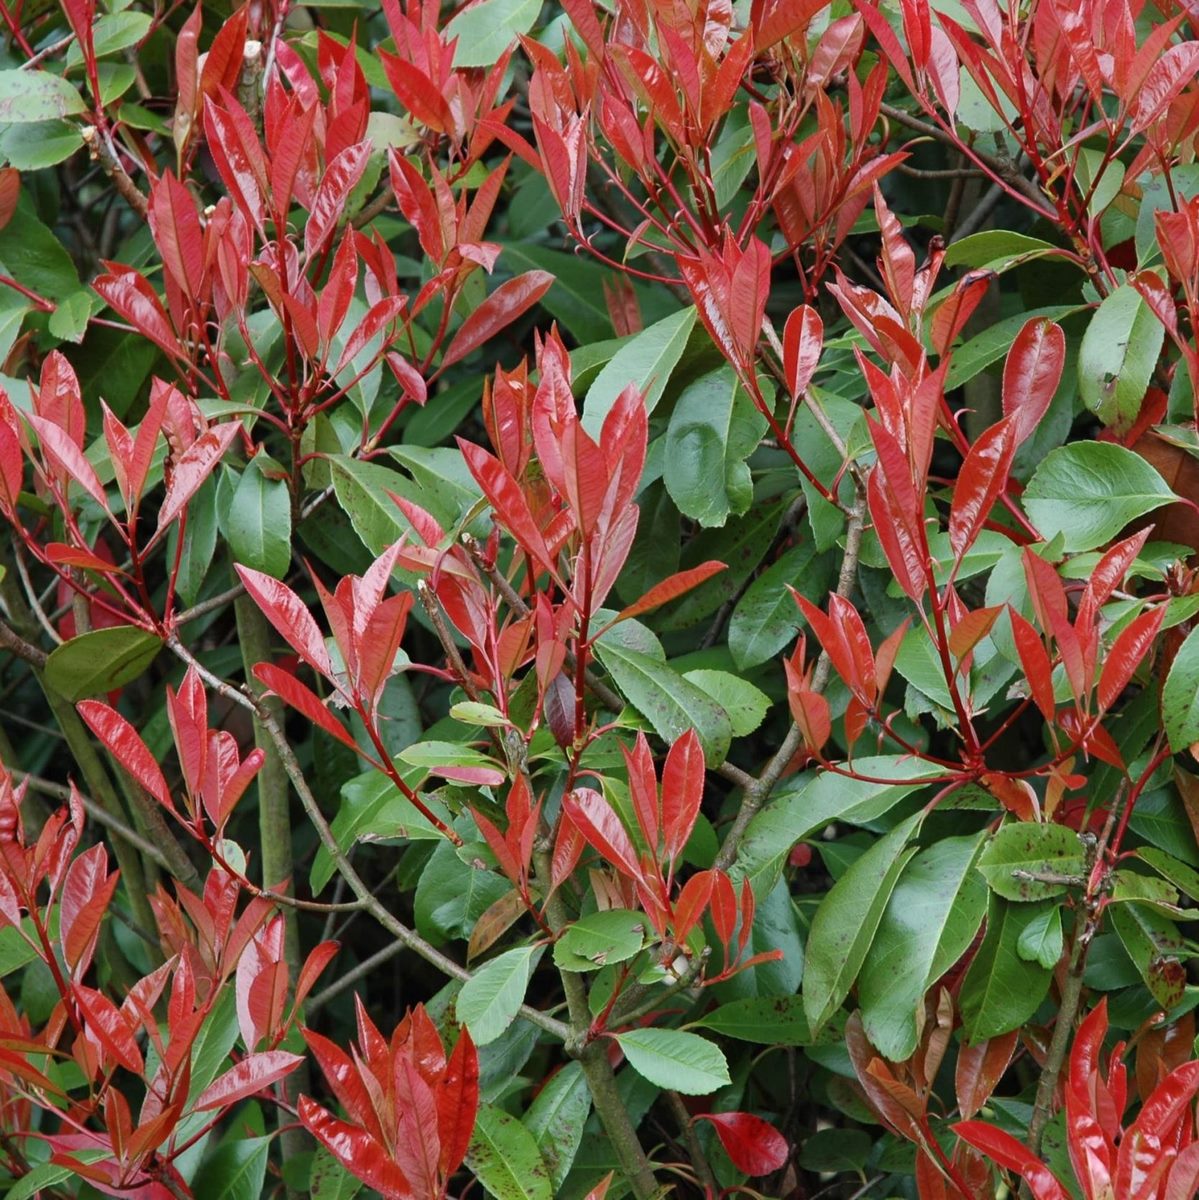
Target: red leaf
{"x":980,"y":1067}
{"x":381,"y":315}
{"x":86,"y":892}
{"x":110,"y":1028}
{"x":238,"y":156}
{"x":1003,"y":1149}
{"x":598,"y":823}
{"x":670,"y":589}
{"x":509,"y":502}
{"x":254,"y":1073}
{"x":1031,"y":374}
{"x":195,"y":465}
{"x":124,"y":743}
{"x":1111,"y":569}
{"x":980,"y":483}
{"x":314,"y":965}
{"x":1034,"y":658}
{"x":290,"y":616}
{"x":803,"y":339}
{"x":62,"y":453}
{"x":329,"y":203}
{"x":289,"y":689}
{"x":1166,"y":79}
{"x":971,"y":629}
{"x":457,"y":1103}
{"x":693,"y":899}
{"x":891,"y":526}
{"x":499,"y":310}
{"x":126,"y":292}
{"x":951,"y":316}
{"x":754,"y":1145}
{"x":223,"y":63}
{"x":356,"y":1150}
{"x":175,"y":225}
{"x":10,"y":193}
{"x":682,"y":792}
{"x":1128,"y":651}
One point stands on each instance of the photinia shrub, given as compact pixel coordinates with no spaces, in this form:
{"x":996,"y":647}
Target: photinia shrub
{"x":599,"y":600}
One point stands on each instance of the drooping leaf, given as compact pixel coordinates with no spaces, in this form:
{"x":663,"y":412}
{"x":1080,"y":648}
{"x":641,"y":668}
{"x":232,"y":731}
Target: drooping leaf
{"x":1001,"y":990}
{"x":101,"y":660}
{"x":557,"y":1118}
{"x":845,"y":924}
{"x":504,"y":1156}
{"x":1180,"y":696}
{"x":669,"y":702}
{"x":1089,"y":491}
{"x":932,"y":916}
{"x":646,"y":360}
{"x":1118,"y":354}
{"x":713,"y":429}
{"x":1029,"y":861}
{"x":672,"y":1058}
{"x":36,"y":96}
{"x":490,"y":999}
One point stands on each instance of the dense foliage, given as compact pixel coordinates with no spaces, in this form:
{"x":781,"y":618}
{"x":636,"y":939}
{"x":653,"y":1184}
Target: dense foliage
{"x":597,"y":600}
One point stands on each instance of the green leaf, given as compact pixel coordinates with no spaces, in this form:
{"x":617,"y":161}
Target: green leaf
{"x":1001,"y":990}
{"x":764,"y":1020}
{"x":1118,"y":353}
{"x":645,"y":360}
{"x":766,"y":617}
{"x":505,"y":1158}
{"x":808,"y":803}
{"x":47,"y":1176}
{"x":40,"y":144}
{"x":258,"y":524}
{"x":669,"y":702}
{"x":373,"y":809}
{"x":111,"y":33}
{"x":1089,"y":491}
{"x":234,"y":1171}
{"x":1180,"y":696}
{"x":69,"y":320}
{"x":994,"y":246}
{"x":1154,"y":944}
{"x":31,"y":253}
{"x":930,"y":921}
{"x":847,"y":920}
{"x":745,"y":704}
{"x":601,"y":938}
{"x":556,"y":1119}
{"x":577,"y":298}
{"x":1024,"y":848}
{"x":27,"y":96}
{"x":100,"y":661}
{"x":484,"y":31}
{"x":1183,"y":877}
{"x":210,"y":1051}
{"x":671,"y":1058}
{"x":451,"y":896}
{"x":490,"y":999}
{"x":1041,"y":939}
{"x":361,"y":490}
{"x":474,"y":712}
{"x":329,"y":1180}
{"x":199,"y":542}
{"x":713,"y":430}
